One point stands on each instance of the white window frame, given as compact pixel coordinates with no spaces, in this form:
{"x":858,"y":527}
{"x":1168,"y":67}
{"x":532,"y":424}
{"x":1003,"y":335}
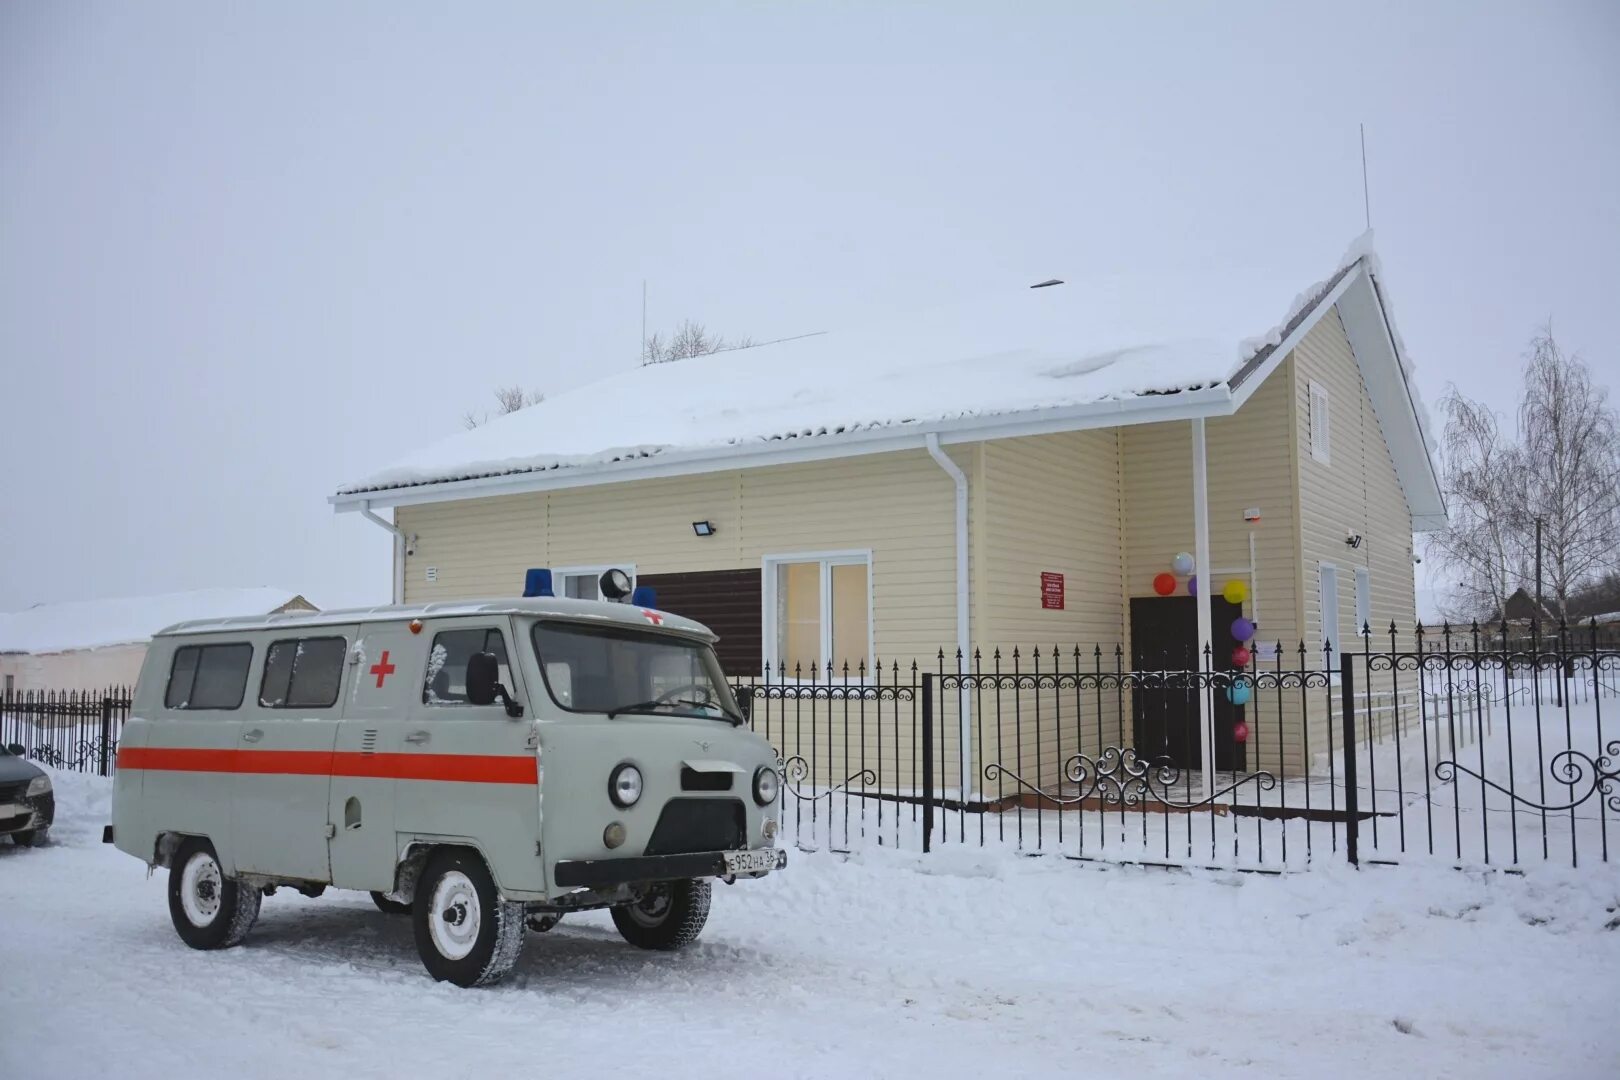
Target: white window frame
{"x":1363,"y":600}
{"x":1328,"y":599}
{"x":768,"y":600}
{"x":1320,"y":405}
{"x":558,"y":573}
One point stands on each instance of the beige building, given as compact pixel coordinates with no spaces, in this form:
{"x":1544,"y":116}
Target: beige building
{"x":94,"y":645}
{"x":881,"y":496}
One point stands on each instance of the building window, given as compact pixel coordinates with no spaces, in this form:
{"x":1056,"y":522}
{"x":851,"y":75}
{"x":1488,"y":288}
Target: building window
{"x":303,"y":674}
{"x":584,"y":582}
{"x":818,"y":613}
{"x":1363,"y":600}
{"x":208,"y":676}
{"x":1328,"y":599}
{"x":446,"y":679}
{"x":1319,"y":423}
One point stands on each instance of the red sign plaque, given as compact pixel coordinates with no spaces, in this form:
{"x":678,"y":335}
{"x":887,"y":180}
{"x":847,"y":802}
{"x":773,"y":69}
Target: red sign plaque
{"x":1051,"y":590}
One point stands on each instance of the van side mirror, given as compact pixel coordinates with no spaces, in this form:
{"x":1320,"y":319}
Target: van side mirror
{"x":482,"y":687}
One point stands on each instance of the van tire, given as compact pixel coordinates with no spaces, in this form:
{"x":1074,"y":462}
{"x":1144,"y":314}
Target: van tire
{"x":390,"y":907}
{"x":209,"y":910}
{"x":37,"y":837}
{"x":670,"y":916}
{"x":456,"y":880}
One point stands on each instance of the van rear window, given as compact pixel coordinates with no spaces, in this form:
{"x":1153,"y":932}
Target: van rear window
{"x":303,"y":673}
{"x":208,"y":676}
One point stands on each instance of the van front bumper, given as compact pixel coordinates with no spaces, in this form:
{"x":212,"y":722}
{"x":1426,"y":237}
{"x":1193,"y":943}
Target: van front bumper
{"x":601,"y":873}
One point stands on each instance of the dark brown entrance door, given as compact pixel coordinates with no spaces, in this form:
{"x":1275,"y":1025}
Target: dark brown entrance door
{"x":1164,"y":637}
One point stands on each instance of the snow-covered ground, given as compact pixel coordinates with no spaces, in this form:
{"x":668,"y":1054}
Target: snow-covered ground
{"x":964,"y":963}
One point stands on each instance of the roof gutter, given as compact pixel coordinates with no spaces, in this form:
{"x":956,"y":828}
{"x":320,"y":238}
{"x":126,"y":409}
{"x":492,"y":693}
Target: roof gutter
{"x":1152,"y":408}
{"x":964,"y":633}
{"x":399,"y":550}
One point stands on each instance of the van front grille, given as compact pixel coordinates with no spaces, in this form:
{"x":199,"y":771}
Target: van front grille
{"x":693,"y":780}
{"x":692,"y":825}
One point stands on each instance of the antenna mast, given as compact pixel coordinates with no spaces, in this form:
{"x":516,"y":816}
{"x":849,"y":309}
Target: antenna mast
{"x":1366,"y":200}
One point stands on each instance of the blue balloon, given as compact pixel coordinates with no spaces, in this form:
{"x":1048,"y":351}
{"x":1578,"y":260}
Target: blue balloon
{"x":1238,"y":692}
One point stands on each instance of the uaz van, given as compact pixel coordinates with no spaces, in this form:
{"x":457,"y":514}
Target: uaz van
{"x":484,"y":767}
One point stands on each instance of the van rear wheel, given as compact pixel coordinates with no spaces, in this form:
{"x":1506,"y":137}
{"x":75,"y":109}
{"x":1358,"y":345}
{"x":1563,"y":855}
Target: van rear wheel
{"x":669,"y":916}
{"x":209,"y":910}
{"x":466,"y":934}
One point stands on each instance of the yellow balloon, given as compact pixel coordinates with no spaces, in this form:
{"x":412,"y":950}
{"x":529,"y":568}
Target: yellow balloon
{"x":1235,"y":591}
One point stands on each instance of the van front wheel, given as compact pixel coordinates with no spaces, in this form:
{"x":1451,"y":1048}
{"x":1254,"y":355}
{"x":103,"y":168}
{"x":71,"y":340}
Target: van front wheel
{"x":466,"y":934}
{"x":209,"y":910}
{"x":669,"y":916}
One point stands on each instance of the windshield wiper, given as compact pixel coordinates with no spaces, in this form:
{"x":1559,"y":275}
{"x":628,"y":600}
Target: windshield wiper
{"x":658,"y":703}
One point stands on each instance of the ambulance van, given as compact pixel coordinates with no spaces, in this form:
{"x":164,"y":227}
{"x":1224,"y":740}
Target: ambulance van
{"x":484,"y":767}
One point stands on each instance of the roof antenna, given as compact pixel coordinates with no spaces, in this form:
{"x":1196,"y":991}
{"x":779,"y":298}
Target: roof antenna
{"x":1366,"y":201}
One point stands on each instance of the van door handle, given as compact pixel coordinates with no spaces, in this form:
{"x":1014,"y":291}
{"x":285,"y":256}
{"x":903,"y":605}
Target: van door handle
{"x":253,"y":735}
{"x":418,"y":737}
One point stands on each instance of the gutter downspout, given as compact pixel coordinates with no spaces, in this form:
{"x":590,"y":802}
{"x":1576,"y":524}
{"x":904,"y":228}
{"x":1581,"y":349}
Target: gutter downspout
{"x":964,"y":634}
{"x":399,"y":550}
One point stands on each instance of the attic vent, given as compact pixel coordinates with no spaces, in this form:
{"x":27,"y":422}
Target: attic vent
{"x":368,"y":741}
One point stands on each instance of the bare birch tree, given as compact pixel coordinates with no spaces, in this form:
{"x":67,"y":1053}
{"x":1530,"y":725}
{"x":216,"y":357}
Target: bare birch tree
{"x":1562,"y":469}
{"x":508,"y":399}
{"x":1569,"y":435}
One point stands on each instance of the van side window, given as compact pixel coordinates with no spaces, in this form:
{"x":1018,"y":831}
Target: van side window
{"x":208,"y":676}
{"x":446,"y":682}
{"x":303,"y":673}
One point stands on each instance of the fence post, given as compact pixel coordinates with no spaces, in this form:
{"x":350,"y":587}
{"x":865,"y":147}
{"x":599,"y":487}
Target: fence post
{"x":928,"y":760}
{"x":105,"y":754}
{"x":1347,"y":690}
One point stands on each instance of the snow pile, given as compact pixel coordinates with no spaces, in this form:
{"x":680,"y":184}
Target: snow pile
{"x":970,"y":964}
{"x":1087,"y":342}
{"x":91,"y":624}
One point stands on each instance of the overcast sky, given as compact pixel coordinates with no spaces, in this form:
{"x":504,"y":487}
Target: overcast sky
{"x":248,"y":253}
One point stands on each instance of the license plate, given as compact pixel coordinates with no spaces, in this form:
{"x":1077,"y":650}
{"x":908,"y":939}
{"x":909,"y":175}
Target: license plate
{"x":9,"y":810}
{"x":750,"y":862}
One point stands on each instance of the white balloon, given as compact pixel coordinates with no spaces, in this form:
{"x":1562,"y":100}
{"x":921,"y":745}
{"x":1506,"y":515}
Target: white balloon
{"x":1182,"y":564}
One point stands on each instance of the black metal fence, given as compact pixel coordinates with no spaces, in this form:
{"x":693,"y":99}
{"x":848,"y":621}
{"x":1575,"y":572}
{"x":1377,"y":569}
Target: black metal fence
{"x":75,"y":729}
{"x":1437,"y":744}
{"x":1450,"y":745}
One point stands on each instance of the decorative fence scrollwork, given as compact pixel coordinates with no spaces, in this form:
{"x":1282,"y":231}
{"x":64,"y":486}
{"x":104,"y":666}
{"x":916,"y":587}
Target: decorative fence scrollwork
{"x":1119,"y":776}
{"x":1571,"y":768}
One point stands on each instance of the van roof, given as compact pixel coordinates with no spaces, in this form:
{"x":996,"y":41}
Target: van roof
{"x":599,"y":611}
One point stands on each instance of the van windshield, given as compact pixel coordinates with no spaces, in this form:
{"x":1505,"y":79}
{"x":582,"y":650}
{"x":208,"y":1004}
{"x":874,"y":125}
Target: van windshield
{"x":620,"y":669}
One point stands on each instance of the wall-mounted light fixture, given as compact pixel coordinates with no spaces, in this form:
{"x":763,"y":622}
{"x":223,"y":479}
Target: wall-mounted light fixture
{"x":703,"y":528}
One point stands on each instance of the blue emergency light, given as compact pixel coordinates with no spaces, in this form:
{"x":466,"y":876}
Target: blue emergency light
{"x":644,"y":596}
{"x":537,"y":582}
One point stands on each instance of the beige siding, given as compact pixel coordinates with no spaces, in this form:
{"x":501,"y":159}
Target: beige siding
{"x":77,"y":669}
{"x":1356,"y":492}
{"x":1052,"y":503}
{"x":1249,"y":466}
{"x":899,"y":506}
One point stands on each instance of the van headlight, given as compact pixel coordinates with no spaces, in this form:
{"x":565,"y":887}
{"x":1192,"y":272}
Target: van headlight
{"x":766,"y":785}
{"x":39,"y":785}
{"x":624,"y":785}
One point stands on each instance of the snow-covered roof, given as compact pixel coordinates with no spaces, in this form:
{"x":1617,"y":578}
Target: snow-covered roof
{"x":1093,"y":350}
{"x":91,"y":624}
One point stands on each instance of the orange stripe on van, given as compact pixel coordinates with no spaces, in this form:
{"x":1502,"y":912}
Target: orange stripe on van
{"x":463,"y":768}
